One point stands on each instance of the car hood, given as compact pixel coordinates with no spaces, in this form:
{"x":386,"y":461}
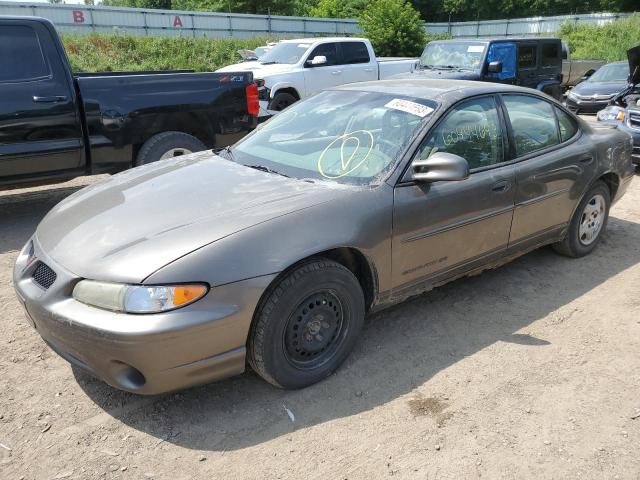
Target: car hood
{"x":259,"y":70}
{"x":439,"y":74}
{"x":136,"y":222}
{"x":599,"y":88}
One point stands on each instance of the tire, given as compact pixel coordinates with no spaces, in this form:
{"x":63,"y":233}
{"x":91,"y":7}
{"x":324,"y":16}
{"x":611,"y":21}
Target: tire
{"x":166,"y":145}
{"x":286,"y":344}
{"x":281,"y":101}
{"x":593,"y":210}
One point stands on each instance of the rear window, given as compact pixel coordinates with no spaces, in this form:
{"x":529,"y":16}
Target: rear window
{"x":21,"y":57}
{"x":527,"y":56}
{"x":354,"y":52}
{"x":550,"y":55}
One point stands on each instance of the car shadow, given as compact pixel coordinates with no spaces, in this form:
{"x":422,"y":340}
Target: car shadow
{"x":401,"y":348}
{"x":21,"y":212}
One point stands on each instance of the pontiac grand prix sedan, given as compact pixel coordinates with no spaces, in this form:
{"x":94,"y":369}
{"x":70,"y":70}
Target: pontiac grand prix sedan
{"x":272,"y":251}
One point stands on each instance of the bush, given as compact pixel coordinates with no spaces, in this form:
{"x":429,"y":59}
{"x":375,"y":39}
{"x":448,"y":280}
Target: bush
{"x":608,"y":42}
{"x":118,"y":52}
{"x":394,"y":28}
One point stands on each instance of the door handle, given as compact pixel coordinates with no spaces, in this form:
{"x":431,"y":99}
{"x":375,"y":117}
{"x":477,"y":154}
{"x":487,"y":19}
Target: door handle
{"x":51,"y":99}
{"x":336,"y":72}
{"x":368,"y":69}
{"x":586,"y":159}
{"x":501,"y":186}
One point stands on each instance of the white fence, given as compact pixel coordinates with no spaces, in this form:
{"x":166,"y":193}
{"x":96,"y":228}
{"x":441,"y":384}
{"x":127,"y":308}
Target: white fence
{"x":86,"y":19}
{"x":519,"y":26}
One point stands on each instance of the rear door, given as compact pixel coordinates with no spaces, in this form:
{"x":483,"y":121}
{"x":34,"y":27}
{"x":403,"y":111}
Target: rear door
{"x":330,"y":74}
{"x":40,"y":129}
{"x":358,"y":66}
{"x":528,"y":64}
{"x":554,"y":166}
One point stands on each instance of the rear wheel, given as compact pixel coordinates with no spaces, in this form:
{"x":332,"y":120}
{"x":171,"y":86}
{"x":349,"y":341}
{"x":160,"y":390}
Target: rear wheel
{"x":588,"y":223}
{"x":168,"y":145}
{"x":281,"y":101}
{"x":307,"y":324}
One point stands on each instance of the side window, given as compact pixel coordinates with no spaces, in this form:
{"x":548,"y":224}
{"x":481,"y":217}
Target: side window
{"x":470,"y":130}
{"x":354,"y":52}
{"x":527,"y":56}
{"x":328,"y":50}
{"x":550,"y":54}
{"x":21,"y":57}
{"x":533,"y":123}
{"x":568,"y":127}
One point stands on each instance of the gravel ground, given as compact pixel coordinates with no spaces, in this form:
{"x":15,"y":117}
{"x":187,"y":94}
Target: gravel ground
{"x":528,"y":371}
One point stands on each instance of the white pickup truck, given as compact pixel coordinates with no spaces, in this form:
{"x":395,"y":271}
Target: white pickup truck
{"x":295,"y":69}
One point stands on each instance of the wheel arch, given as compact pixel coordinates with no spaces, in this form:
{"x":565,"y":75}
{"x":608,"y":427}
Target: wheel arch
{"x":351,"y":258}
{"x":285,"y":89}
{"x":612,"y":180}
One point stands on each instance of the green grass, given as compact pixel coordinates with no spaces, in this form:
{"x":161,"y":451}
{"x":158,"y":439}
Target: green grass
{"x":609,"y":42}
{"x":118,"y":52}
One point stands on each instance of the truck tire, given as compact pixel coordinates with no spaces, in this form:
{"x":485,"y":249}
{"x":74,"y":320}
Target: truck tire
{"x":167,"y":145}
{"x":588,"y":223}
{"x":281,"y":101}
{"x":306,"y":325}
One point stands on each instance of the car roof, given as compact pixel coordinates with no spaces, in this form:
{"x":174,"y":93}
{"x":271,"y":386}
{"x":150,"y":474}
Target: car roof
{"x":324,"y":39}
{"x":499,"y":39}
{"x":432,"y":89}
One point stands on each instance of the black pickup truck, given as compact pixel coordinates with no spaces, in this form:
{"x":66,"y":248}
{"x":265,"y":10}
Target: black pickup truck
{"x":529,"y":62}
{"x":57,"y":125}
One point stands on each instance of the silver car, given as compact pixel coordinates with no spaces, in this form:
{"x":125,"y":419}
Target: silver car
{"x":272,"y":251}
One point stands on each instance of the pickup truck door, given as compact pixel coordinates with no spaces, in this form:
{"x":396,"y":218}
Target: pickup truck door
{"x":443,"y":228}
{"x":40,"y":127}
{"x":357,"y":63}
{"x":330,"y":74}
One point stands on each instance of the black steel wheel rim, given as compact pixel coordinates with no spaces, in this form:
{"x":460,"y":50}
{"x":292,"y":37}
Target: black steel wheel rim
{"x":314,"y":331}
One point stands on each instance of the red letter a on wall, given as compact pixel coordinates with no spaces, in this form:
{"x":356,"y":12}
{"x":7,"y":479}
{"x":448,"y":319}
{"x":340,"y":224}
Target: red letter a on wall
{"x":176,"y":21}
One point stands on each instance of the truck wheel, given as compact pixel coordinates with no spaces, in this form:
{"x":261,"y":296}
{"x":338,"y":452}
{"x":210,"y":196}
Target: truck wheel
{"x":307,"y":325}
{"x":588,"y":223}
{"x":168,"y":145}
{"x":281,"y":101}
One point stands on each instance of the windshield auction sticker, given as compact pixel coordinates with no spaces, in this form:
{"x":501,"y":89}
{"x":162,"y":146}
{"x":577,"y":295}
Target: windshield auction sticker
{"x":410,"y":107}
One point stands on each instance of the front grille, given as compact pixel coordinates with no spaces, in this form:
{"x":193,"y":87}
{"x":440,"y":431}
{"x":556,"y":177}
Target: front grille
{"x":43,"y":275}
{"x":634,"y":120}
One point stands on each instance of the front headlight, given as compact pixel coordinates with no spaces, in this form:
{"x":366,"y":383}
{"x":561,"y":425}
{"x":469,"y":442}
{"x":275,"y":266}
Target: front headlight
{"x":137,"y":298}
{"x":611,"y":113}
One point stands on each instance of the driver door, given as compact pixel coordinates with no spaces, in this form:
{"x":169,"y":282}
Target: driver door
{"x":330,"y":74}
{"x":446,"y":227}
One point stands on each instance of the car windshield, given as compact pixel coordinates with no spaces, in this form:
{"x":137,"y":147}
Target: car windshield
{"x":285,"y":52}
{"x":464,"y":55}
{"x":614,"y":72}
{"x":349,"y":137}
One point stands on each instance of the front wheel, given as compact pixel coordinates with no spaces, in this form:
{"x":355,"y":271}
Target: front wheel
{"x":281,"y":101}
{"x":306,"y":325}
{"x":588,"y":223}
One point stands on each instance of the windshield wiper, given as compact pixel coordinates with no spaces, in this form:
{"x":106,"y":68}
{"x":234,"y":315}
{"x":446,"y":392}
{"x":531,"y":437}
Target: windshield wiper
{"x":226,"y":150}
{"x":264,"y":168}
{"x":268,"y":63}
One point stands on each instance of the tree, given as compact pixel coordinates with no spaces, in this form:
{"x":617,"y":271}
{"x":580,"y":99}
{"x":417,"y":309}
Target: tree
{"x":394,"y":28}
{"x":338,"y":8}
{"x":159,"y":4}
{"x":275,"y":7}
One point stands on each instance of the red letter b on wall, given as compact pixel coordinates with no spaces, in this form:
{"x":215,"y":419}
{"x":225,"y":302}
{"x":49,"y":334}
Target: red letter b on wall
{"x":78,"y":16}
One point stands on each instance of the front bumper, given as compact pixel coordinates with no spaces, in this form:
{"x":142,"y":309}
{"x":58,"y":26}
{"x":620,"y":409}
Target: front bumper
{"x":635,"y":133}
{"x":146,"y":354}
{"x":585,"y":106}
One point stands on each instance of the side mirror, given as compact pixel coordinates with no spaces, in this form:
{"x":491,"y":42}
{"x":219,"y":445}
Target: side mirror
{"x":440,"y":166}
{"x":318,"y":60}
{"x":495,"y":67}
